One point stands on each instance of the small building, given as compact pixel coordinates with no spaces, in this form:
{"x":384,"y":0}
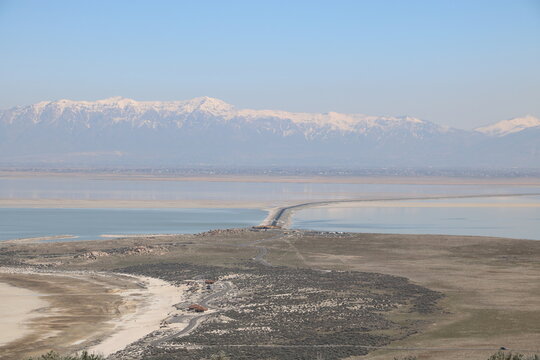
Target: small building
{"x":209,"y":282}
{"x":197,"y":308}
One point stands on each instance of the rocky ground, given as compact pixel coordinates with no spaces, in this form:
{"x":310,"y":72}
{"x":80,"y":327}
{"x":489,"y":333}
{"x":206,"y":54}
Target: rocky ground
{"x":282,"y":294}
{"x":278,"y":312}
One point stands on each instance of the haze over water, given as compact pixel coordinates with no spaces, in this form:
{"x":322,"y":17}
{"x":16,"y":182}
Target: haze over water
{"x":90,"y":224}
{"x":512,"y":217}
{"x":516,"y":217}
{"x":82,"y":188}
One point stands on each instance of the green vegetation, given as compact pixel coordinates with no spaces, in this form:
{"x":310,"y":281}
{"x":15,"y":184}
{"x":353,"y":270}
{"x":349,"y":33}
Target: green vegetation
{"x":220,"y":356}
{"x":363,"y":298}
{"x":292,"y":310}
{"x":501,"y":355}
{"x":51,"y":355}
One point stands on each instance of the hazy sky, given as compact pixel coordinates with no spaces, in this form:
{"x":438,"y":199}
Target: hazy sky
{"x":459,"y":63}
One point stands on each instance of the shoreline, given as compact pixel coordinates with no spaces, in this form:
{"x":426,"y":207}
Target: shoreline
{"x":146,"y":319}
{"x":19,"y":307}
{"x":133,"y":204}
{"x":117,"y":309}
{"x":283,"y":215}
{"x":499,"y":297}
{"x":38,"y":239}
{"x":346,"y":179}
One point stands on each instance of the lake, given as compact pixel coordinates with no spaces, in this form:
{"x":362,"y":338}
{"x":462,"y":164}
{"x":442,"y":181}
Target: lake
{"x":496,"y":217}
{"x":513,"y":217}
{"x":90,"y":224}
{"x":88,"y":188}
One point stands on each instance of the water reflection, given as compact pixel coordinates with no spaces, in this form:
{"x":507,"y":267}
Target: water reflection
{"x":513,"y":217}
{"x":89,"y":224}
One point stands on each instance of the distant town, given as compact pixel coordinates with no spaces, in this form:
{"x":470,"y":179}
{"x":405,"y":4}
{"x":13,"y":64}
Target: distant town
{"x":291,"y":171}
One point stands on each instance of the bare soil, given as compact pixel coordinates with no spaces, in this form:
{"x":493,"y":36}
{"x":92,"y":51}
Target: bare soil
{"x":331,"y":295}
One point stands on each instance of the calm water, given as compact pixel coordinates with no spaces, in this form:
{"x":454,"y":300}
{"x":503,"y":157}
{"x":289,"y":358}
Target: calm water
{"x":89,"y":224}
{"x":106,"y":189}
{"x":517,"y":222}
{"x":513,"y":217}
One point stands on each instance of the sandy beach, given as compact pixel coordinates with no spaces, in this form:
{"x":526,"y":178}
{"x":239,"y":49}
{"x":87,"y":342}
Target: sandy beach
{"x":154,"y":306}
{"x":72,"y":311}
{"x":488,"y":300}
{"x":19,"y":307}
{"x":38,"y":239}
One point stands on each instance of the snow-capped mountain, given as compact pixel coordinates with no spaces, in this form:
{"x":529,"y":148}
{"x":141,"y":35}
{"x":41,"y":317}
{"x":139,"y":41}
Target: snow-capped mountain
{"x":198,"y":112}
{"x":511,"y":126}
{"x":209,"y":131}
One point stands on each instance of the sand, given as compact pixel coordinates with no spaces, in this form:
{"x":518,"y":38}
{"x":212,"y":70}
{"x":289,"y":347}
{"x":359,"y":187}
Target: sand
{"x":38,"y":239}
{"x":18,"y":309}
{"x":80,"y":310}
{"x":490,"y":284}
{"x":157,"y":304}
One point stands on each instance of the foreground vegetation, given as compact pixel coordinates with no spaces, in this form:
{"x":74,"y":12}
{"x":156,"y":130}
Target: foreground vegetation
{"x":85,"y":355}
{"x":501,"y":355}
{"x":372,"y":289}
{"x":286,"y":313}
{"x":509,"y":356}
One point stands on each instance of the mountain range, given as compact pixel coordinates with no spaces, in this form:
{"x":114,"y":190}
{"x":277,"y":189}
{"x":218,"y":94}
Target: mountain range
{"x":208,"y":131}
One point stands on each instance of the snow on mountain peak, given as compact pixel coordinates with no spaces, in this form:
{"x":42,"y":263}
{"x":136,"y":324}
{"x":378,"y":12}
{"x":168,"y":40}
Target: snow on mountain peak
{"x":178,"y":132}
{"x":511,"y":126}
{"x":208,"y":105}
{"x":40,"y":105}
{"x":203,"y":104}
{"x":117,"y":100}
{"x":154,"y":114}
{"x":412,"y":120}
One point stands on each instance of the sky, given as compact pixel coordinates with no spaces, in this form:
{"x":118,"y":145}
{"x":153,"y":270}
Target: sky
{"x":457,"y":63}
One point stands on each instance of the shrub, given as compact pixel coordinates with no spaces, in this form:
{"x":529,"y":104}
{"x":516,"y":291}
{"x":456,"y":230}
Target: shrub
{"x":220,"y":356}
{"x":501,"y":355}
{"x":51,"y":355}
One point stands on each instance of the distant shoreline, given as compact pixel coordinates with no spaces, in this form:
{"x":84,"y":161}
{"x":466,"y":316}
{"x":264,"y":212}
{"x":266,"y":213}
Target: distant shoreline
{"x":132,"y":204}
{"x":283,"y":216}
{"x":280,"y":216}
{"x":277,"y":178}
{"x":37,"y":239}
{"x":503,"y":270}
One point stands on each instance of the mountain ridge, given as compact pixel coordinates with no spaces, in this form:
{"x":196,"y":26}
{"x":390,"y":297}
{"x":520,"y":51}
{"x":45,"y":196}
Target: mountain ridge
{"x":207,"y":105}
{"x":217,"y":107}
{"x":211,"y":131}
{"x":510,"y":126}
